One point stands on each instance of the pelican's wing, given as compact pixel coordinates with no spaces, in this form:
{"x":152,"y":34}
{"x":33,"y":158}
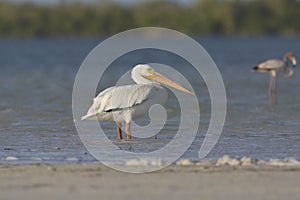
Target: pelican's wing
{"x":119,"y":98}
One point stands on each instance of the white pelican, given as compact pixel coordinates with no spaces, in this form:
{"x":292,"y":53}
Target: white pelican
{"x":122,"y":103}
{"x":273,"y":66}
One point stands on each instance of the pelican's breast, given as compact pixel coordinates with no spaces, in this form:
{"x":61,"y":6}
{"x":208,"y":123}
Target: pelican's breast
{"x":156,"y":95}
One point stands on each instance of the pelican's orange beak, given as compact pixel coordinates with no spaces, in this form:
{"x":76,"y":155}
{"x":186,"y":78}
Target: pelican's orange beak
{"x":164,"y":80}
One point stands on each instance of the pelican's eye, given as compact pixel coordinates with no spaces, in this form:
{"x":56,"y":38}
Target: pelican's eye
{"x":150,"y":70}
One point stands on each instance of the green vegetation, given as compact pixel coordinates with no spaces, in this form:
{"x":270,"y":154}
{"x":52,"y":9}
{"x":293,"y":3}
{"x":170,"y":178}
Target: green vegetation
{"x":203,"y":17}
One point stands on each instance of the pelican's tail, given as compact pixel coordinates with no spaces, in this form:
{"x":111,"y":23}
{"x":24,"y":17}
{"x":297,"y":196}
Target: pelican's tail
{"x":89,"y":117}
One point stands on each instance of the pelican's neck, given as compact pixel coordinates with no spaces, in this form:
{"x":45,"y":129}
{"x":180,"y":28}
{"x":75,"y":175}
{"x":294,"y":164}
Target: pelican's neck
{"x":142,"y":80}
{"x":139,"y":79}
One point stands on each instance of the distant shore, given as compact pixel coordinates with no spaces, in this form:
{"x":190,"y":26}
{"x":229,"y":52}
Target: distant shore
{"x":183,"y":180}
{"x":107,"y":18}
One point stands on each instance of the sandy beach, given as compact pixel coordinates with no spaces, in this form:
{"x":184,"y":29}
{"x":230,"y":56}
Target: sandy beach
{"x":95,"y":181}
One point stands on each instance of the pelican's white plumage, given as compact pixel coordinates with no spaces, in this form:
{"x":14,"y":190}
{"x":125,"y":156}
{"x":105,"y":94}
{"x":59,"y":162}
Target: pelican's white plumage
{"x":110,"y":104}
{"x":123,"y":103}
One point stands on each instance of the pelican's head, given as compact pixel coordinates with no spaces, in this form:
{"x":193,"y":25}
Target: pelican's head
{"x":292,"y":58}
{"x":144,"y":74}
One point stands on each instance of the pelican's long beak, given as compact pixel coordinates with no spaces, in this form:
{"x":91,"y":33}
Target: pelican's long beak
{"x":164,"y":80}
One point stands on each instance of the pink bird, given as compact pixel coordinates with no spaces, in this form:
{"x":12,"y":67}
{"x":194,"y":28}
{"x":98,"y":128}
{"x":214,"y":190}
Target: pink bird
{"x":273,"y":66}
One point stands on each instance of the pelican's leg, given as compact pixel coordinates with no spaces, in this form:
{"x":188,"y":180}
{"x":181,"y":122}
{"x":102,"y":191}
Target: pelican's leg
{"x":272,"y":88}
{"x":120,"y":131}
{"x":128,"y":131}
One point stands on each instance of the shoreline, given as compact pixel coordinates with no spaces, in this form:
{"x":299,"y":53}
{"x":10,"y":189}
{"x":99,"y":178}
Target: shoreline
{"x":224,"y":160}
{"x":96,"y":181}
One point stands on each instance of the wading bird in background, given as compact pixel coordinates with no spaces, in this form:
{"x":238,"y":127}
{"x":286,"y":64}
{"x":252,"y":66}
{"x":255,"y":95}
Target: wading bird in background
{"x":123,"y":103}
{"x":273,"y":66}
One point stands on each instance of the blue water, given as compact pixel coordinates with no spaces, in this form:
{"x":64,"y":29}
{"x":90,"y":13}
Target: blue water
{"x":37,"y":75}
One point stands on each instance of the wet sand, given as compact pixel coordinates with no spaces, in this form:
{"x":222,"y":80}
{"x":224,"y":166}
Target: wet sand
{"x":95,"y":181}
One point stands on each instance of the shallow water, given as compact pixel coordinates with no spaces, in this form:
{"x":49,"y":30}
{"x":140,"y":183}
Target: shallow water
{"x":37,"y":77}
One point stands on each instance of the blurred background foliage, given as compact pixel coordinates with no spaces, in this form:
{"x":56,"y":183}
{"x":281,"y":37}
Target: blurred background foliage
{"x":201,"y":17}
